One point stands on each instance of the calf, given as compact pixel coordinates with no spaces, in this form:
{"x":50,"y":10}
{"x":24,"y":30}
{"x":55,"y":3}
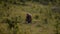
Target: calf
{"x":28,"y":18}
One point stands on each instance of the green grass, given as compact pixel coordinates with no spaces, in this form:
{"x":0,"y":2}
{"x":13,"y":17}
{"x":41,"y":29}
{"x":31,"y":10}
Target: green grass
{"x":43,"y":18}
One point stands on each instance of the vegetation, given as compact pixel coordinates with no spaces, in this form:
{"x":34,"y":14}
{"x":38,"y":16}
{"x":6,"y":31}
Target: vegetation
{"x":45,"y":16}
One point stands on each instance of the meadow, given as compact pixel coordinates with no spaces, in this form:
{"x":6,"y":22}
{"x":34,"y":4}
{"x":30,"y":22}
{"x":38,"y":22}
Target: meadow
{"x":45,"y":18}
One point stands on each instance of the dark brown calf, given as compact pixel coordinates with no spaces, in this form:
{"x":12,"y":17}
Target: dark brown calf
{"x":28,"y":18}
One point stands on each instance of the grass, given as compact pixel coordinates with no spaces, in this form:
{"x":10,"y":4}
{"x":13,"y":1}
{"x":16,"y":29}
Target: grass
{"x":43,"y":18}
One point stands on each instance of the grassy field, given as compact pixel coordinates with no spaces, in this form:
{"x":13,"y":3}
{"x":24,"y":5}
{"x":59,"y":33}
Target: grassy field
{"x":44,"y":19}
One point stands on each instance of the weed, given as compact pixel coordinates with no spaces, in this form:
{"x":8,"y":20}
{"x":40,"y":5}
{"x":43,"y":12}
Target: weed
{"x":36,"y":17}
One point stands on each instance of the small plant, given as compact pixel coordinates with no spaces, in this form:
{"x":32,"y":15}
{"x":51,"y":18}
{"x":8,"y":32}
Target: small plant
{"x":57,"y":28}
{"x":50,"y":15}
{"x":16,"y":19}
{"x":5,"y":5}
{"x":11,"y":24}
{"x":57,"y":17}
{"x":36,"y":16}
{"x":38,"y":25}
{"x":23,"y":2}
{"x":10,"y":1}
{"x":5,"y":0}
{"x":35,"y":0}
{"x":45,"y":21}
{"x":14,"y":2}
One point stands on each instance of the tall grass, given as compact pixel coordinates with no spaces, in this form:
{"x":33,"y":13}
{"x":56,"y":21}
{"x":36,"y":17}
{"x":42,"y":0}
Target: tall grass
{"x":43,"y":18}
